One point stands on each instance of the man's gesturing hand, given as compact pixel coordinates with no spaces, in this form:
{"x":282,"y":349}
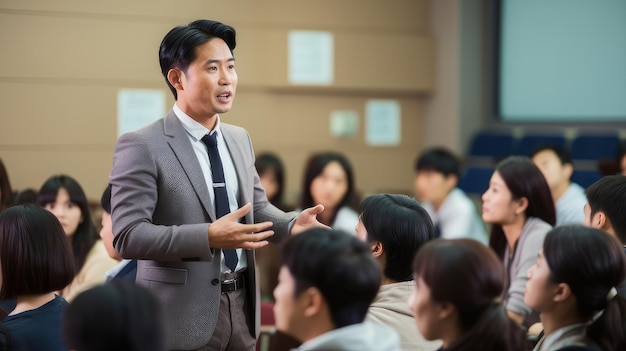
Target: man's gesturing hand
{"x":228,"y":233}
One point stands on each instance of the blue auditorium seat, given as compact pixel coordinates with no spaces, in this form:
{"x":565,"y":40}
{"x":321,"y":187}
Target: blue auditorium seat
{"x":585,"y":178}
{"x":531,"y":141}
{"x":475,"y":180}
{"x":594,"y":146}
{"x":495,"y":144}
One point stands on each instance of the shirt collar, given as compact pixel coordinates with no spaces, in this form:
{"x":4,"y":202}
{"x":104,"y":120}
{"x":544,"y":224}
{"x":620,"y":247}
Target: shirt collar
{"x":193,"y":128}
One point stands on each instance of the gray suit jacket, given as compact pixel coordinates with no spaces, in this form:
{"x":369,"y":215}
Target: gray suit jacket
{"x":160,"y":209}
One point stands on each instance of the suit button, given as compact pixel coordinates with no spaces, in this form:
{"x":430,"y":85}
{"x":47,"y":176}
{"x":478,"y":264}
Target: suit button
{"x":215,"y":281}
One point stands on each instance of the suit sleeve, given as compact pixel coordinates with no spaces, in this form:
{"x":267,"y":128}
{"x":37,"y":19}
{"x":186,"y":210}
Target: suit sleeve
{"x":265,"y":211}
{"x":137,"y":188}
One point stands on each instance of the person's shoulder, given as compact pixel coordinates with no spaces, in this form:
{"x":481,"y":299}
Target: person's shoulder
{"x":99,"y":256}
{"x":143,"y":135}
{"x":347,"y":212}
{"x":232,"y":129}
{"x":460,"y":200}
{"x":536,"y":225}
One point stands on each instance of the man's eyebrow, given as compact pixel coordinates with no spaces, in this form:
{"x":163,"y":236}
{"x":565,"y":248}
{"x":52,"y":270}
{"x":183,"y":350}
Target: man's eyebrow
{"x":232,"y":59}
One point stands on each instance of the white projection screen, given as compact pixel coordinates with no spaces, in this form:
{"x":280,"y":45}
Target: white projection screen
{"x":562,"y":60}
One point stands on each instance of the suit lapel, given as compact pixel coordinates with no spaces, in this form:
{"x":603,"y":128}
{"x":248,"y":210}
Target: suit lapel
{"x":180,"y":145}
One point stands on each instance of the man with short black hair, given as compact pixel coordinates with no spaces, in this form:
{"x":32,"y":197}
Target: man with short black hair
{"x":396,"y":227}
{"x":606,"y":209}
{"x":453,"y":213}
{"x":187,"y":202}
{"x":326,"y":283}
{"x":569,"y":198}
{"x":606,"y":206}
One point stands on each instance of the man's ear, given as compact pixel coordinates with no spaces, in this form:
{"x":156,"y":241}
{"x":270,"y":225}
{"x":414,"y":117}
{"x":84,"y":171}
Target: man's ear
{"x":599,"y":221}
{"x":174,"y":77}
{"x":314,"y":302}
{"x":377,"y":248}
{"x":451,"y":181}
{"x":568,"y":169}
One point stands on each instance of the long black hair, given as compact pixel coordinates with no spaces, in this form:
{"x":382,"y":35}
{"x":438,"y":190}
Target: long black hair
{"x":85,"y":236}
{"x":593,"y":264}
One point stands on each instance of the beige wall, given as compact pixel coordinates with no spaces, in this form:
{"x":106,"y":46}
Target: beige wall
{"x":64,"y":61}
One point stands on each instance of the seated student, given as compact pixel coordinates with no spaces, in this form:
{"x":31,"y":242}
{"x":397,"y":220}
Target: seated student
{"x":36,"y":261}
{"x":272,"y":177}
{"x":572,"y":285}
{"x":329,"y":180}
{"x":456,"y":298}
{"x":621,"y":158}
{"x":65,"y":198}
{"x":395,"y":227}
{"x":606,"y":209}
{"x":569,"y":198}
{"x":519,"y":206}
{"x":453,"y":213}
{"x":326,"y":283}
{"x":125,"y":269}
{"x":114,"y":316}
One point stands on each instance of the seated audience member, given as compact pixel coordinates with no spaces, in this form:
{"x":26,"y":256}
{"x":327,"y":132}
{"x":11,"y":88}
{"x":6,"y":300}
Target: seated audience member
{"x":569,"y":198}
{"x":519,"y":206}
{"x":24,"y":197}
{"x":6,"y":192}
{"x":327,"y":281}
{"x":606,"y":209}
{"x":572,"y":285}
{"x":36,"y":261}
{"x":456,"y":298}
{"x":606,"y":206}
{"x":621,"y":158}
{"x":328,"y":180}
{"x":125,"y":269}
{"x":272,"y":176}
{"x":114,"y":316}
{"x":64,"y":197}
{"x":395,"y":227}
{"x":453,"y":213}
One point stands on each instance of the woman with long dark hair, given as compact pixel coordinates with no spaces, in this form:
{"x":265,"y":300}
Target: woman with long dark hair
{"x":329,"y":180}
{"x":518,"y":205}
{"x":65,"y":198}
{"x":456,"y":298}
{"x":573,"y":286}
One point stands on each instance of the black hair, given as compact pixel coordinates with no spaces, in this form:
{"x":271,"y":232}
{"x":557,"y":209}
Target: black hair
{"x":470,"y":276}
{"x":85,"y":236}
{"x":592,"y":263}
{"x":608,"y":195}
{"x":105,"y":200}
{"x":401,"y":225}
{"x":523,"y":179}
{"x":178,"y":48}
{"x":269,"y":162}
{"x":114,"y":316}
{"x":339,"y":265}
{"x":439,"y":160}
{"x":35,"y":255}
{"x":560,"y":152}
{"x":314,"y":167}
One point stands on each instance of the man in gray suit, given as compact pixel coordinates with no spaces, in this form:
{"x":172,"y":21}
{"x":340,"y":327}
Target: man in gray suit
{"x":165,"y":200}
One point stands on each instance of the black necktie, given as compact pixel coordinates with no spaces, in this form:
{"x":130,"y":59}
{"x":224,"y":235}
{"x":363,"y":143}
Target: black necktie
{"x":219,"y":189}
{"x":437,"y":230}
